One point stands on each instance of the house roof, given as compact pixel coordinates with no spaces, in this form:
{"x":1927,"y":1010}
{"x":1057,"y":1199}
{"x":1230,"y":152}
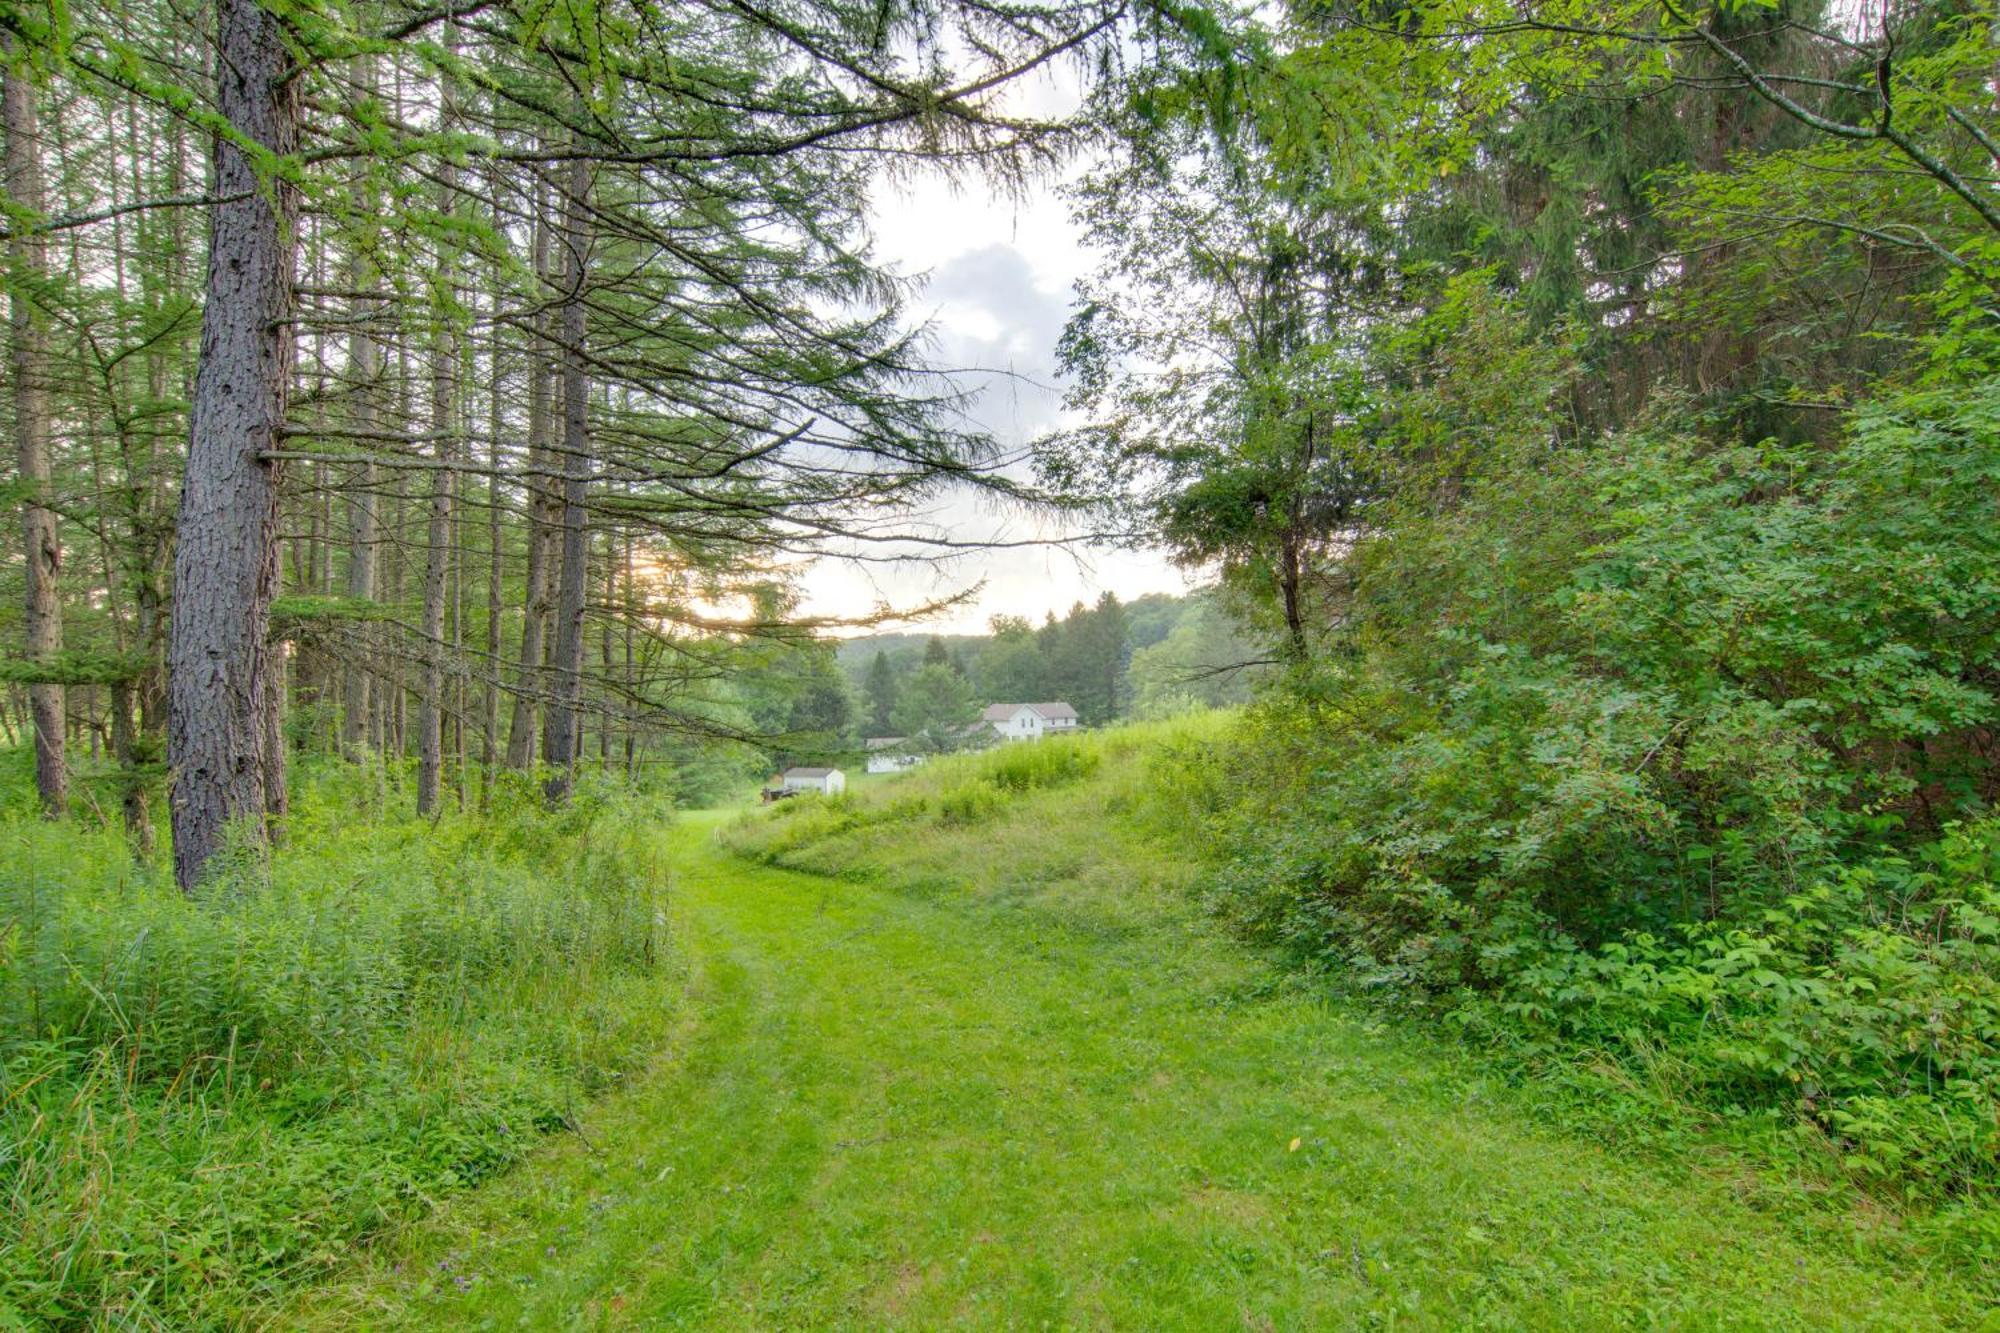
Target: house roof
{"x":808,"y":772}
{"x":885,"y":742}
{"x":1049,"y":711}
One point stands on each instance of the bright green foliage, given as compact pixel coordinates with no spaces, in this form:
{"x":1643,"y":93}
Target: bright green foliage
{"x":208,"y":1102}
{"x":1594,"y":395}
{"x":881,"y":694}
{"x":1867,"y":1002}
{"x":1205,"y":661}
{"x":933,"y":708}
{"x":1667,"y":692}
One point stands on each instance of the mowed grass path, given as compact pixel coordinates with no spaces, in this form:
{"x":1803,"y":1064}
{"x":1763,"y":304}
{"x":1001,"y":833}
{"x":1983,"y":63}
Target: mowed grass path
{"x":890,"y":1110}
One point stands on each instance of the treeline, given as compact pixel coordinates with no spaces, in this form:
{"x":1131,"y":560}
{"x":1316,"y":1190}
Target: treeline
{"x":461,"y":384}
{"x":1595,"y":405}
{"x":1150,"y":657}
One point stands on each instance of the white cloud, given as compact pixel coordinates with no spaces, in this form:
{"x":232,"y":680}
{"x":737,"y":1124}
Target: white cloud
{"x":999,"y":283}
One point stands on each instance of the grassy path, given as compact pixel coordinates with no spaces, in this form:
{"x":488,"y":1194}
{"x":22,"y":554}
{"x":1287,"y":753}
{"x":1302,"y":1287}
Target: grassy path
{"x":894,"y":1111}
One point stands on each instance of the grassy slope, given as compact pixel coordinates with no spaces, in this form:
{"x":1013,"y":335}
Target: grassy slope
{"x":998,"y":1074}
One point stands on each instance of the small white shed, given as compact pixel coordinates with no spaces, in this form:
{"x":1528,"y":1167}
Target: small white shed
{"x":826,"y":781}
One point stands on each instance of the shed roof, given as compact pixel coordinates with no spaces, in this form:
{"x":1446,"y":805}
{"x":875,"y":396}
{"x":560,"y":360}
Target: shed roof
{"x":885,"y":742}
{"x":809,"y":772}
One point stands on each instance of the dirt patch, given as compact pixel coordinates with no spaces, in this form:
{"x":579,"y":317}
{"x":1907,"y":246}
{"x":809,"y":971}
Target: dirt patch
{"x":893,"y":1299}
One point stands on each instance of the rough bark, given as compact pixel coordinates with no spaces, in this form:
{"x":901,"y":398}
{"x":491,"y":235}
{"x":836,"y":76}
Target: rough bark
{"x":541,"y":528}
{"x":561,"y":740}
{"x":135,"y":796}
{"x":28,"y":354}
{"x":438,"y":552}
{"x":277,"y":798}
{"x":226,"y":560}
{"x":364,"y":372}
{"x":489,"y":712}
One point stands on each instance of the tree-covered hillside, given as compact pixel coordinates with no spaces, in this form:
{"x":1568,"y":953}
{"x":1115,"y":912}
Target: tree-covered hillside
{"x":1149,"y":657}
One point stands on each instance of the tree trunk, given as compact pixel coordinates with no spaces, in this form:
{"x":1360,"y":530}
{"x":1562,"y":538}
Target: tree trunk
{"x":1291,"y":579}
{"x":629,"y":612}
{"x":27,"y":258}
{"x":135,"y":799}
{"x":530,"y":680}
{"x":489,"y":712}
{"x":226,"y":561}
{"x":277,"y":800}
{"x":561,"y":741}
{"x":437,"y":566}
{"x":604,"y":646}
{"x":364,"y":371}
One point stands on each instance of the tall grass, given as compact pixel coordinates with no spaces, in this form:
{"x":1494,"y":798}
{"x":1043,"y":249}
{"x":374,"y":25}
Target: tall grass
{"x":205,"y":1102}
{"x":1041,"y":818}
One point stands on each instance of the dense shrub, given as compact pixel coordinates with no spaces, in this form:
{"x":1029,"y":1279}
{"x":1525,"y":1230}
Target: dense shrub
{"x":1669,"y":746}
{"x":1869,"y":1002}
{"x":966,"y":804}
{"x":202,"y":1102}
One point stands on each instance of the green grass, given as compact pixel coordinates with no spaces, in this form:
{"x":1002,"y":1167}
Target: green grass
{"x":995,"y":1071}
{"x":204,"y":1104}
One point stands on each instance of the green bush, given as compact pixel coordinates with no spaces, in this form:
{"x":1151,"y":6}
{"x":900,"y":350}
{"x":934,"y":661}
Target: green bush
{"x":970,"y":803}
{"x":203,"y":1102}
{"x":1049,"y":763}
{"x":1675,"y":750}
{"x":1869,"y":1004}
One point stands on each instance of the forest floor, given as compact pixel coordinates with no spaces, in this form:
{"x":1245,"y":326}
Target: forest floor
{"x":889,"y":1109}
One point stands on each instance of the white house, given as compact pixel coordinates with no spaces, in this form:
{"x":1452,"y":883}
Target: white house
{"x":1029,"y":722}
{"x":826,"y":781}
{"x":891,"y":754}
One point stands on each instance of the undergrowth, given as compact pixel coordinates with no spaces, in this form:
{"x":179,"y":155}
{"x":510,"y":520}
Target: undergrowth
{"x":204,"y":1103}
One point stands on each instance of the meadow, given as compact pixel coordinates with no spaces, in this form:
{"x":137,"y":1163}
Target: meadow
{"x":968,"y":1048}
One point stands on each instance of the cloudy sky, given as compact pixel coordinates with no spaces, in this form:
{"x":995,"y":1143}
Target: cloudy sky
{"x":999,"y":283}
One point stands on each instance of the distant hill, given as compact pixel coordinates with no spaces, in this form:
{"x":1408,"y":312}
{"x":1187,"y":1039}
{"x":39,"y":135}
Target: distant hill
{"x":855,"y":655}
{"x":1153,"y":655}
{"x":1148,"y":619}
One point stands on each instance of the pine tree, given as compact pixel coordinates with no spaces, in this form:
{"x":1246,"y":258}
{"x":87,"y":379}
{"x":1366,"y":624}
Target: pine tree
{"x":222,"y":699}
{"x":881,"y":690}
{"x":28,"y":356}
